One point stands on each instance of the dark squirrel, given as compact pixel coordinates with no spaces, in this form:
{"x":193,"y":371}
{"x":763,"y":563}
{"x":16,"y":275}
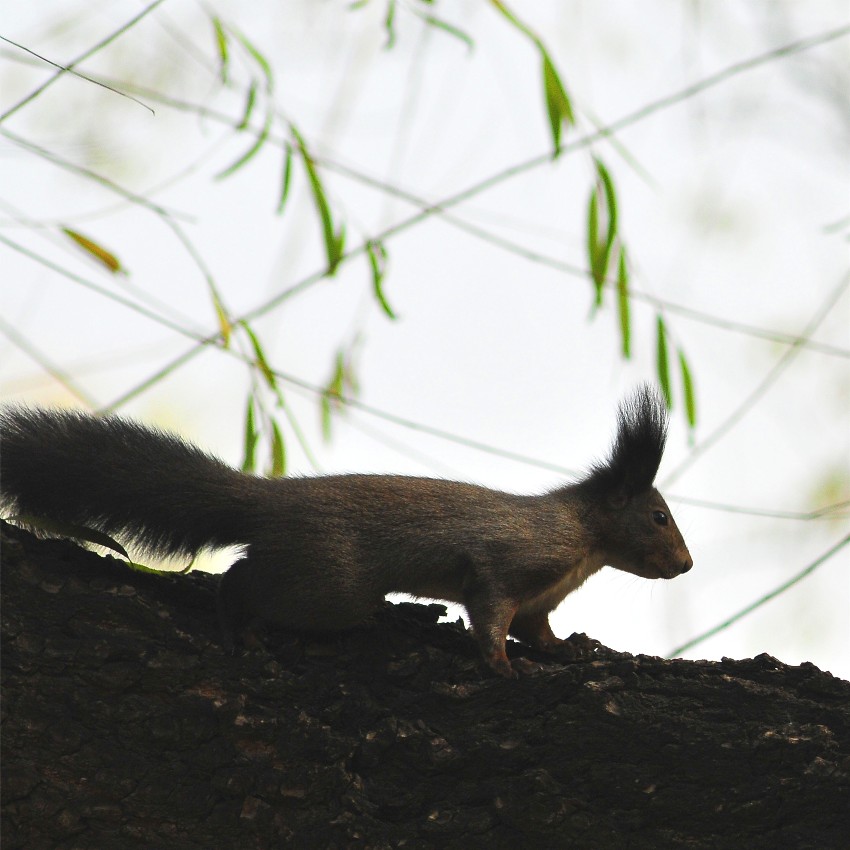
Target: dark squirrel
{"x":321,"y":553}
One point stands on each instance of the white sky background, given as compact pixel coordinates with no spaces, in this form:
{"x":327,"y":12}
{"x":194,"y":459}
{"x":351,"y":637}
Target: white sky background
{"x":734,"y":203}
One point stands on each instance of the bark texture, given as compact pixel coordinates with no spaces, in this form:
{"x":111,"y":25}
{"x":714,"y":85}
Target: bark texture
{"x":125,"y":725}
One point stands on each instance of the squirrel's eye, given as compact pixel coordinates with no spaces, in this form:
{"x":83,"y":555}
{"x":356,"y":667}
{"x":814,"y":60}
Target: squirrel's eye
{"x":659,"y":517}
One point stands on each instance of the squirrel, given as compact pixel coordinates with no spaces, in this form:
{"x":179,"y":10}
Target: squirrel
{"x":321,"y":553}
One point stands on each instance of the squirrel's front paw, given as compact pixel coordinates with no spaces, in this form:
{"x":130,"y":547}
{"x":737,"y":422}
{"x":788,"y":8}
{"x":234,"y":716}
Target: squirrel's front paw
{"x":526,"y":667}
{"x":577,"y":647}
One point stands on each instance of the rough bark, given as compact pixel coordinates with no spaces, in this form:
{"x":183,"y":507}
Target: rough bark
{"x":125,"y":725}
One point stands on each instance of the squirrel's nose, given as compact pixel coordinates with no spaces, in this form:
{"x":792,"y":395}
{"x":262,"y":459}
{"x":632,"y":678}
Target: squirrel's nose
{"x":688,"y":563}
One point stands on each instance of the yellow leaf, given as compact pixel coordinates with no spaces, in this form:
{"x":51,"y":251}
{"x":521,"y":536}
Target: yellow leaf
{"x":224,"y":325}
{"x":106,"y":258}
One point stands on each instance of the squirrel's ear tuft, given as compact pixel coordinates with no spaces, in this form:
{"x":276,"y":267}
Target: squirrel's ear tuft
{"x":638,"y":447}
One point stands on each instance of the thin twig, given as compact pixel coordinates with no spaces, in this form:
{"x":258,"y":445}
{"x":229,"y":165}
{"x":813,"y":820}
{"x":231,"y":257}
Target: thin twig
{"x":762,"y":600}
{"x":788,"y":356}
{"x":57,"y":373}
{"x":579,"y":144}
{"x":66,"y":69}
{"x":69,"y":70}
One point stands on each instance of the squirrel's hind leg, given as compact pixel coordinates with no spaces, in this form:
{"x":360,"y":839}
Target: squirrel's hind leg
{"x":490,"y":618}
{"x":233,"y":618}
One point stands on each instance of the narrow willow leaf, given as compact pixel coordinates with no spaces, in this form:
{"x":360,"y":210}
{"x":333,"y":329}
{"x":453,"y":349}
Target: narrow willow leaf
{"x":249,"y":457}
{"x":145,"y":569}
{"x":278,"y":467}
{"x":332,"y":394}
{"x":594,"y":257}
{"x":688,"y":389}
{"x":287,"y":177}
{"x":663,"y":363}
{"x":338,"y":248}
{"x":185,"y":571}
{"x":334,"y":240}
{"x":250,"y":102}
{"x":260,"y":358}
{"x":389,"y":25}
{"x":554,"y":116}
{"x":326,"y":417}
{"x":602,"y":214}
{"x":224,"y":325}
{"x":610,"y":205}
{"x":337,"y":383}
{"x":223,"y":52}
{"x":67,"y":529}
{"x":378,"y":260}
{"x":251,"y":152}
{"x":351,"y":385}
{"x":557,"y":103}
{"x":448,"y":28}
{"x":501,"y":7}
{"x":259,"y":58}
{"x":592,"y":229}
{"x":104,"y":257}
{"x":623,"y":305}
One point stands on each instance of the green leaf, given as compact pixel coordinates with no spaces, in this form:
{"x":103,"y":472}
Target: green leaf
{"x":224,"y":325}
{"x":278,"y":452}
{"x":688,"y":389}
{"x":144,"y":569}
{"x":258,"y":57}
{"x":378,"y":259}
{"x":185,"y":571}
{"x":334,"y":240}
{"x":104,"y":257}
{"x":332,"y":393}
{"x":287,"y":177}
{"x":623,"y":305}
{"x":337,"y":382}
{"x":260,"y":358}
{"x":593,"y":226}
{"x":250,"y":101}
{"x":338,"y":248}
{"x":249,"y":459}
{"x":326,"y":417}
{"x":447,"y":28}
{"x":610,"y":206}
{"x":663,"y":363}
{"x":389,"y":25}
{"x":594,"y":258}
{"x":251,"y":152}
{"x":515,"y":21}
{"x":557,"y":103}
{"x":223,"y":53}
{"x":67,"y":529}
{"x":603,"y":205}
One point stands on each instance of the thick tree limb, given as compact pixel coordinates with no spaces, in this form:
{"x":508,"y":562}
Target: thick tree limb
{"x":126,"y":726}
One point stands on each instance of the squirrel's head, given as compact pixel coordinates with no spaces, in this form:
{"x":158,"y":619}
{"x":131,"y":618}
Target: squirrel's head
{"x":634,"y":525}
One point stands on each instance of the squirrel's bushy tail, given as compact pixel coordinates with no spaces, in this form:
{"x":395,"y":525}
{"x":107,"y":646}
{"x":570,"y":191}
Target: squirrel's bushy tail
{"x":121,"y":478}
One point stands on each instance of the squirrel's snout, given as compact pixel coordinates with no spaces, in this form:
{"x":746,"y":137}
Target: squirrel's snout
{"x":689,"y":562}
